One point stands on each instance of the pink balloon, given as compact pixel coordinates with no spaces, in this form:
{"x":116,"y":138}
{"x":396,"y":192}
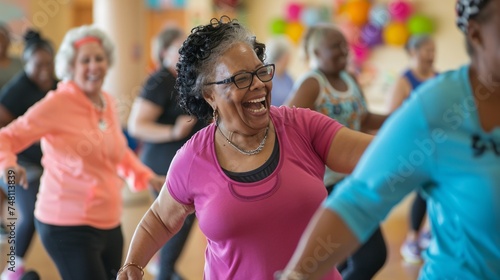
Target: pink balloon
{"x":400,"y":10}
{"x":293,"y":12}
{"x":361,"y":53}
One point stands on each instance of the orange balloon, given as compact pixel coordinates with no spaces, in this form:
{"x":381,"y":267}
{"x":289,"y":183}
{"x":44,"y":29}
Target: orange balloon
{"x":358,"y":11}
{"x":294,"y":30}
{"x":396,"y":34}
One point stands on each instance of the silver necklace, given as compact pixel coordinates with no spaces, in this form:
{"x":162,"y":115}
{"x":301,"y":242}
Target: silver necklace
{"x":248,"y":152}
{"x":102,"y":123}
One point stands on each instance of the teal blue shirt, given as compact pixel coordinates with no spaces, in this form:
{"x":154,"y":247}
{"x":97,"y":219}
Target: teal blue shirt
{"x":434,"y":141}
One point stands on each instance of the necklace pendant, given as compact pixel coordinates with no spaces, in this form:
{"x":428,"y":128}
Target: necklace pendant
{"x":103,"y":125}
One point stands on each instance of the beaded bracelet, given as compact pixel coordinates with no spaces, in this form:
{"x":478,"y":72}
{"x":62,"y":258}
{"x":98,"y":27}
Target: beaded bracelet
{"x":131,"y":264}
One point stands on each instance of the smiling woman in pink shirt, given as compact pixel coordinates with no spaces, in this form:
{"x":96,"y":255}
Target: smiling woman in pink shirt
{"x":254,"y":176}
{"x":84,"y":154}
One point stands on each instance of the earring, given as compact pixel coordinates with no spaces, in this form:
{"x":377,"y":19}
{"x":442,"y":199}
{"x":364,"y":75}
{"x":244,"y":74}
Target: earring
{"x":216,"y":116}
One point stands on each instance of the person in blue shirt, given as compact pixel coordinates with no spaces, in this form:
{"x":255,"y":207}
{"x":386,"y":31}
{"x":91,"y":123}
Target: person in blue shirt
{"x":445,"y":142}
{"x":421,"y":50}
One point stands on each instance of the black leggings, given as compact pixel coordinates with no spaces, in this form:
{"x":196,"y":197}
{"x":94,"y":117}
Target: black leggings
{"x":417,"y":213}
{"x":83,"y":252}
{"x":367,"y":260}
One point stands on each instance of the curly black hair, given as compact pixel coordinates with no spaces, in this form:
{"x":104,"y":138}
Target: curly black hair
{"x":198,"y":55}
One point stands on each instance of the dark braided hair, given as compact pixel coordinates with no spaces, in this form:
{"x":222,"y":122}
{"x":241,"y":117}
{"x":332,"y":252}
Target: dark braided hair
{"x":200,"y":53}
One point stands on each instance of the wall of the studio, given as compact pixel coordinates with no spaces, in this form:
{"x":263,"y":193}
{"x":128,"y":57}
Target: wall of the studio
{"x":52,"y":17}
{"x":388,"y":62}
{"x":55,"y":17}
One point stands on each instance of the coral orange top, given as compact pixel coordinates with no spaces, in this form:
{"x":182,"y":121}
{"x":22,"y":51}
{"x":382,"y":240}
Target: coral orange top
{"x":82,"y":158}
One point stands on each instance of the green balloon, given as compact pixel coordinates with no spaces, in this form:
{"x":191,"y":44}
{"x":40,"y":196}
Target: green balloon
{"x":420,"y":24}
{"x":278,"y":26}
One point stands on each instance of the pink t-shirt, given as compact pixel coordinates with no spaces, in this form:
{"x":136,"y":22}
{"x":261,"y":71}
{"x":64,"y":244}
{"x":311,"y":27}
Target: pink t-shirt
{"x":253,"y":228}
{"x":80,"y":184}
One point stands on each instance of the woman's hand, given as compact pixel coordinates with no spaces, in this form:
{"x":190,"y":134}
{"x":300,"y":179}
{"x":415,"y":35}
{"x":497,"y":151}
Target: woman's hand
{"x":15,"y":175}
{"x":183,"y":126}
{"x":156,"y":182}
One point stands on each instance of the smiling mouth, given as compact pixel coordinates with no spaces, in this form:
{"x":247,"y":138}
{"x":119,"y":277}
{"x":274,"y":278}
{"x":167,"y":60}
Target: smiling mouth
{"x":93,"y":78}
{"x":256,"y":105}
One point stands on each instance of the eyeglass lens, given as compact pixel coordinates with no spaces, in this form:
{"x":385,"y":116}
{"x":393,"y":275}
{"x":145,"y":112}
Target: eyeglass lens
{"x":265,"y":74}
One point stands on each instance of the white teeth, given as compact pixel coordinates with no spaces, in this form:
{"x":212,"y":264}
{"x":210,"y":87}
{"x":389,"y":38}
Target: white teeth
{"x":257,"y":100}
{"x":258,"y":110}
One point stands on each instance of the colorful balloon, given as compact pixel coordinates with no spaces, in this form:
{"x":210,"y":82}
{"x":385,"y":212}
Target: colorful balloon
{"x":293,"y":12}
{"x":400,"y":10}
{"x":326,"y":14}
{"x":310,"y":16}
{"x":153,"y":4}
{"x":179,"y":4}
{"x":358,"y":11}
{"x":360,"y":52}
{"x":380,"y":16}
{"x":420,"y":24}
{"x":278,"y":26}
{"x":371,"y":35}
{"x":314,"y":15}
{"x":396,"y":34}
{"x":294,"y":31}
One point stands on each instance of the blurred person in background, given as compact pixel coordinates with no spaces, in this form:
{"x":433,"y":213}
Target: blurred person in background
{"x":329,"y":89}
{"x":16,"y":97}
{"x":279,"y":52}
{"x":421,"y":50}
{"x":9,"y":67}
{"x":445,"y":142}
{"x":79,"y":204}
{"x":157,"y":120}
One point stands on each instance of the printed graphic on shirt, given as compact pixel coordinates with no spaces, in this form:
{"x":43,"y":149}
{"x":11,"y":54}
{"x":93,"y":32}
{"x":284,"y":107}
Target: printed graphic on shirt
{"x":348,"y":107}
{"x":480,"y":146}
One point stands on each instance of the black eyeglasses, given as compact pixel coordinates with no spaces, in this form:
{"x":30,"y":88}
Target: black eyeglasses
{"x":244,"y":80}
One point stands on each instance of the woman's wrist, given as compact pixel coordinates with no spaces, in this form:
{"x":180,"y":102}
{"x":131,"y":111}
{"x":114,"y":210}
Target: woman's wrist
{"x":133,"y":265}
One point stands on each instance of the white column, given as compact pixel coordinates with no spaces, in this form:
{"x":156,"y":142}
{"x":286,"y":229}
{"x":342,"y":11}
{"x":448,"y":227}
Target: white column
{"x":124,"y":22}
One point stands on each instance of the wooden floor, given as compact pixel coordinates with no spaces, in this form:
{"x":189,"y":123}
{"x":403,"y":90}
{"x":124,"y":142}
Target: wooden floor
{"x":192,"y":260}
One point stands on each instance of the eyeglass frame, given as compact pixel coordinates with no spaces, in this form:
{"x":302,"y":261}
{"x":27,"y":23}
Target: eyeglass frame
{"x":254,"y":73}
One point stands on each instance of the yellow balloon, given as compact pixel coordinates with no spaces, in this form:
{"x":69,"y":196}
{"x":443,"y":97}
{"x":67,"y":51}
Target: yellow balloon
{"x":294,"y":30}
{"x":396,"y":34}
